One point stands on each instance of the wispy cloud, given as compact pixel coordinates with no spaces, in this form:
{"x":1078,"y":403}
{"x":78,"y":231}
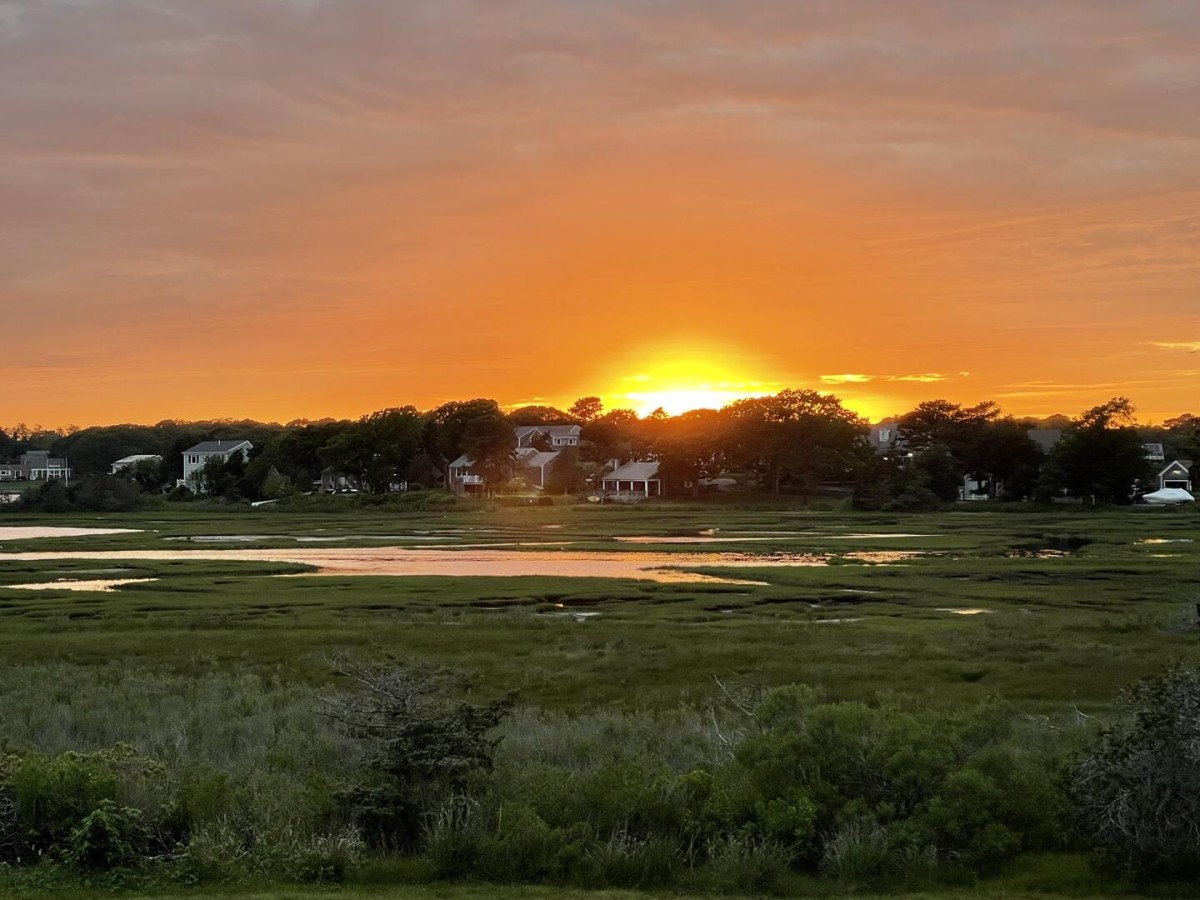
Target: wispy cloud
{"x":848,"y":378}
{"x":925,"y":378}
{"x":859,"y":378}
{"x":1189,"y":346}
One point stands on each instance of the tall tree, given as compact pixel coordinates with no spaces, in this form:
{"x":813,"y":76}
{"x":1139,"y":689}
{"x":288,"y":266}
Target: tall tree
{"x":797,"y":437}
{"x":1100,"y":455}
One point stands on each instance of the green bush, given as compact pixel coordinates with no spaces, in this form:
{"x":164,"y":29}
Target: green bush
{"x":1137,"y":790}
{"x":109,"y":837}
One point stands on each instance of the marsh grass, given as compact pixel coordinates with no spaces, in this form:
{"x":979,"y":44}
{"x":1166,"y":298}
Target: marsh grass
{"x":215,"y":668}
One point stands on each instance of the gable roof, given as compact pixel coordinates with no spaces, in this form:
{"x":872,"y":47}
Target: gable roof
{"x":222,"y":446}
{"x":539,"y":458}
{"x":1177,"y":465}
{"x":136,"y":458}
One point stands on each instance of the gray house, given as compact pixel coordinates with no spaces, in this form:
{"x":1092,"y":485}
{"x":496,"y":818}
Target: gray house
{"x":1177,"y":475}
{"x":633,"y":481}
{"x":36,"y":465}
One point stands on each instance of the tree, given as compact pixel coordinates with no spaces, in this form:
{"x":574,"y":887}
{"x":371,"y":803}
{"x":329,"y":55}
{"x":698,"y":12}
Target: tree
{"x":489,"y":442}
{"x":565,"y":475}
{"x":689,"y":446}
{"x":1100,"y":455}
{"x":992,"y":450}
{"x":421,"y":741}
{"x":276,"y":486}
{"x":540,"y":415}
{"x":446,"y":427}
{"x":586,"y":408}
{"x":798,"y":437}
{"x":1137,"y":792}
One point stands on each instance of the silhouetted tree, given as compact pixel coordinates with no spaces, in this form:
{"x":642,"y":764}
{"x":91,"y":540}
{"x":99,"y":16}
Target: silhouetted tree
{"x":586,"y":408}
{"x":798,"y":437}
{"x":1100,"y":455}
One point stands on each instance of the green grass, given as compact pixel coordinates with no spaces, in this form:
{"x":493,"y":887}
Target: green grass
{"x":1060,"y":632}
{"x":222,"y":660}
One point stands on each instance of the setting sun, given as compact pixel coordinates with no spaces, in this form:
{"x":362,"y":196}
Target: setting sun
{"x":683,"y":379}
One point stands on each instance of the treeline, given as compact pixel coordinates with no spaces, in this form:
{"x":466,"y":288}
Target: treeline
{"x":796,"y":442}
{"x":405,"y":774}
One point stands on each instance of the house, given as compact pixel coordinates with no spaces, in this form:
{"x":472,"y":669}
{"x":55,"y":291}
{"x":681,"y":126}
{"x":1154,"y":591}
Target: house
{"x":1154,"y":452}
{"x":883,"y":437}
{"x":553,"y":436}
{"x":528,"y":462}
{"x":129,"y":462}
{"x":333,"y":481}
{"x":462,"y":478}
{"x":36,"y":465}
{"x":633,"y":481}
{"x":195,"y":458}
{"x":1176,"y":475}
{"x":536,"y":449}
{"x":534,"y":465}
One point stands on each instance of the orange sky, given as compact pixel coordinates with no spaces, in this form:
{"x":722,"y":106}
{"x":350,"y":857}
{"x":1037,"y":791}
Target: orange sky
{"x":302,"y":208}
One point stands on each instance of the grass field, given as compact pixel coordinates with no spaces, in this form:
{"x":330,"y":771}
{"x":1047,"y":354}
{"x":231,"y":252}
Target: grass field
{"x":220,"y":661}
{"x":1058,"y":629}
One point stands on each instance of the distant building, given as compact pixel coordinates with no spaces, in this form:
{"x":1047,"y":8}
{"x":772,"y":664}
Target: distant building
{"x":36,"y":465}
{"x":1176,"y":475}
{"x":530,"y":461}
{"x":633,"y":481}
{"x":883,"y":437}
{"x":554,"y":436}
{"x":1155,"y":452}
{"x":195,"y":458}
{"x":128,"y":462}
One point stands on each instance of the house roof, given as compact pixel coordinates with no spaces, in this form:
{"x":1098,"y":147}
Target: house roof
{"x":463,"y":462}
{"x":562,"y":430}
{"x":539,"y":458}
{"x":634,"y":471}
{"x":1178,"y":465}
{"x":1154,"y":451}
{"x":222,"y":446}
{"x":521,"y":430}
{"x":136,"y":458}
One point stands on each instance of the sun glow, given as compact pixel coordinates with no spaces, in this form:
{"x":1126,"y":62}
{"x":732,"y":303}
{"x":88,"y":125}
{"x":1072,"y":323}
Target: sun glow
{"x":686,"y":382}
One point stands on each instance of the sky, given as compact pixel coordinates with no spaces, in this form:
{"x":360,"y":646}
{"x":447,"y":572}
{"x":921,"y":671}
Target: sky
{"x":283,"y":209}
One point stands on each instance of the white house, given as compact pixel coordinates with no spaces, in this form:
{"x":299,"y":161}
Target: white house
{"x":194,"y":458}
{"x":128,"y":462}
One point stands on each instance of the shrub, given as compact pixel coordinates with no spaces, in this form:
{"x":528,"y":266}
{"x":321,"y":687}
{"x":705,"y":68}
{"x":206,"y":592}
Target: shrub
{"x":109,"y":837}
{"x":1137,"y":792}
{"x":743,"y":864}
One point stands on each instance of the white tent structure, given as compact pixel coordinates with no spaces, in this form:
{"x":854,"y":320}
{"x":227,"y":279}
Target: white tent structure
{"x":1168,"y":496}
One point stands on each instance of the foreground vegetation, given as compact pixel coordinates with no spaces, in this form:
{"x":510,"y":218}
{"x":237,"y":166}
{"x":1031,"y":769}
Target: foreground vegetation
{"x":818,"y":729}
